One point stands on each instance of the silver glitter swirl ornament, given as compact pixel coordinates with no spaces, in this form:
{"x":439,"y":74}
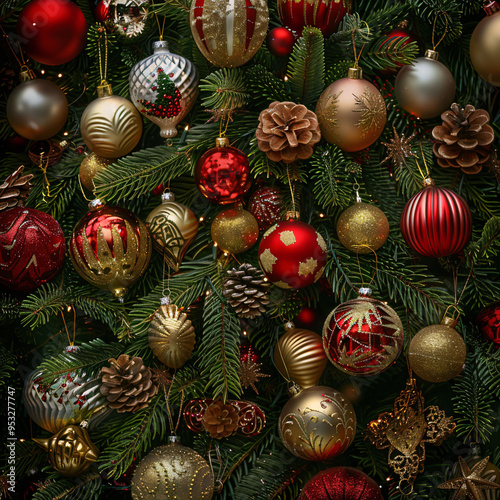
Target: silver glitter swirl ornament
{"x":146,"y":78}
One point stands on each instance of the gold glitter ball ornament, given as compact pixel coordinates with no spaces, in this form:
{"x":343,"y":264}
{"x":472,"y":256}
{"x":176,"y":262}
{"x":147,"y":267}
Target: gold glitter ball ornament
{"x":90,"y":167}
{"x":235,"y":230}
{"x":362,"y":228}
{"x":437,"y":353}
{"x":351,"y":112}
{"x":173,"y":472}
{"x":317,"y":424}
{"x":229,"y":34}
{"x":111,"y":126}
{"x":171,"y":336}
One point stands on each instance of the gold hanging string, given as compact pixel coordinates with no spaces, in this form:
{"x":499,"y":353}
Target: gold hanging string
{"x":103,"y":72}
{"x":163,"y":280}
{"x":173,"y":430}
{"x":66,"y":329}
{"x":219,"y":483}
{"x":424,"y":160}
{"x":82,"y":190}
{"x":161,"y":29}
{"x":359,"y":266}
{"x":455,"y":283}
{"x":435,"y":45}
{"x":43,"y":166}
{"x":357,"y":57}
{"x":292,"y":186}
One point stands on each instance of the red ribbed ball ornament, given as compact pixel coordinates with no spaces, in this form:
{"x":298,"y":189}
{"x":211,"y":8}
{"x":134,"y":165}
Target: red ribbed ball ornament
{"x":292,"y":254}
{"x":436,"y":222}
{"x":52,"y":32}
{"x":280,"y":41}
{"x":341,"y":483}
{"x":31,"y":248}
{"x":222,"y":174}
{"x":265,"y":206}
{"x":488,"y":322}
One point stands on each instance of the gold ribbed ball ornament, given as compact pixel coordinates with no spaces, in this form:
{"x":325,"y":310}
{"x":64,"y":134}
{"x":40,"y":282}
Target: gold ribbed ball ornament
{"x":485,"y":43}
{"x":111,"y":126}
{"x":235,"y":230}
{"x":437,"y":353}
{"x":173,"y":472}
{"x":362,"y":228}
{"x":91,"y":165}
{"x":318,"y":423}
{"x":351,"y":112}
{"x":300,"y":357}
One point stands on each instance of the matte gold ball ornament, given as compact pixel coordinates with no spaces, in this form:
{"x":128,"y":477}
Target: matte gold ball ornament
{"x":437,"y":353}
{"x":351,"y":112}
{"x":235,"y":230}
{"x":91,"y":165}
{"x":111,"y":126}
{"x":173,"y":472}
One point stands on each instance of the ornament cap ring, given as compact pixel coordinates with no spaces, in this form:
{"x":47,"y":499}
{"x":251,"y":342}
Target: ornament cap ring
{"x":222,"y":142}
{"x":174,"y":439}
{"x":365,"y":291}
{"x":160,"y":46}
{"x":168,"y":196}
{"x":355,"y":73}
{"x":96,"y":204}
{"x":432,"y":54}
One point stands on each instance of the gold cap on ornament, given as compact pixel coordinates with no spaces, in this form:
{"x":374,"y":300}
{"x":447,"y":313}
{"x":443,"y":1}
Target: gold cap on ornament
{"x":491,"y":8}
{"x":96,"y":204}
{"x":26,"y":74}
{"x":293,"y":215}
{"x":294,"y":390}
{"x":428,"y":182}
{"x":167,"y":197}
{"x":222,"y":142}
{"x":355,"y":73}
{"x":432,"y":54}
{"x":104,"y":90}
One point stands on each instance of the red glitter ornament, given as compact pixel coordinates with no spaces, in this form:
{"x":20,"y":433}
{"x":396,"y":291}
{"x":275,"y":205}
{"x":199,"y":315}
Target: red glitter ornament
{"x":52,"y":32}
{"x":436,"y":222}
{"x":292,"y":254}
{"x":31,"y":248}
{"x":341,"y":483}
{"x":488,"y":322}
{"x":223,"y":173}
{"x":323,"y":14}
{"x":363,"y":336}
{"x":265,"y":206}
{"x":280,"y":41}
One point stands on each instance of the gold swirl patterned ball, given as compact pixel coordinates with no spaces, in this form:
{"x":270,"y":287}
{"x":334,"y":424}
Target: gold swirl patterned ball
{"x":173,"y":472}
{"x":317,"y":424}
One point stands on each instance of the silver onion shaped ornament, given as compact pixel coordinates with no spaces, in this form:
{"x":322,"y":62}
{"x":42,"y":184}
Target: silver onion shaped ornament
{"x":165,"y":110}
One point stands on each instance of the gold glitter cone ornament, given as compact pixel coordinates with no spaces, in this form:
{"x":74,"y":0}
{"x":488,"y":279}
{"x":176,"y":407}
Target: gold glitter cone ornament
{"x":171,"y":335}
{"x":228,"y":34}
{"x":173,"y":472}
{"x":437,"y":353}
{"x":351,"y":112}
{"x":173,"y":227}
{"x":299,"y":356}
{"x":317,"y":423}
{"x":71,"y":452}
{"x":91,"y":165}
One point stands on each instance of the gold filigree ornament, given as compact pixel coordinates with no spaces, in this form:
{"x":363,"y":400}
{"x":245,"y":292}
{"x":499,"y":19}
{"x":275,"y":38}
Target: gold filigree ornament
{"x":406,"y":430}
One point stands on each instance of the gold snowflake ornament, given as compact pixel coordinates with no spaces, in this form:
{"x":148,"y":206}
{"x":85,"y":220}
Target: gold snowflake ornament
{"x":399,"y":148}
{"x":250,"y":373}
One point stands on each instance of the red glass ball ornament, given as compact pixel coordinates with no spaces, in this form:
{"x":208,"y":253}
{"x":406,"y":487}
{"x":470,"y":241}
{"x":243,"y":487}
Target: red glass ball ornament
{"x":306,"y":318}
{"x":102,"y":11}
{"x":265,"y":206}
{"x":341,"y":483}
{"x":323,"y":14}
{"x":292,"y":254}
{"x":394,"y":37}
{"x":280,"y":41}
{"x":52,"y":32}
{"x":363,"y":336}
{"x":436,"y":222}
{"x":31,"y":248}
{"x":488,"y":322}
{"x":222,"y":174}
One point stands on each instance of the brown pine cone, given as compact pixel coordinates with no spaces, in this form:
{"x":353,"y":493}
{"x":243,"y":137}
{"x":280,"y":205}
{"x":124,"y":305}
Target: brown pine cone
{"x":127,"y":384}
{"x":464,"y":138}
{"x":246,"y":290}
{"x":287,"y":131}
{"x":15,"y":189}
{"x":220,"y":420}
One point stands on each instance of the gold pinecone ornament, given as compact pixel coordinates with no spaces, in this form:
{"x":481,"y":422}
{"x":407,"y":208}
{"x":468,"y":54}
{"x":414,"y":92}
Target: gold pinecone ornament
{"x":464,"y":139}
{"x":220,"y":420}
{"x":245,"y":288}
{"x":127,"y":384}
{"x":287,"y":132}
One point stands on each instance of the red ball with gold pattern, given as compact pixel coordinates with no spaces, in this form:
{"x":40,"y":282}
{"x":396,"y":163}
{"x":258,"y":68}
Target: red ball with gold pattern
{"x":31,"y":248}
{"x":222,"y":174}
{"x":265,"y":206}
{"x":488,"y":322}
{"x":292,"y":254}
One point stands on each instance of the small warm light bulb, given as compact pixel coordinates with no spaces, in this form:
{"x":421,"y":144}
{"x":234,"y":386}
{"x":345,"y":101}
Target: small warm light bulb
{"x":65,"y":133}
{"x":201,"y":219}
{"x":321,"y":215}
{"x":286,"y":78}
{"x":215,"y":244}
{"x":69,"y":308}
{"x":59,"y":75}
{"x":226,"y":254}
{"x":265,"y":279}
{"x":244,"y":332}
{"x":42,"y":72}
{"x":186,"y":128}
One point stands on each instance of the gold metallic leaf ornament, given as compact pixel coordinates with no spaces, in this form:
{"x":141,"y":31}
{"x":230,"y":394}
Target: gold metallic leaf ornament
{"x":171,"y":336}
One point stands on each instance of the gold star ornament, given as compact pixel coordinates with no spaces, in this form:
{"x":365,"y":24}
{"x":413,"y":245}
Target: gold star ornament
{"x":250,"y":373}
{"x":399,"y":148}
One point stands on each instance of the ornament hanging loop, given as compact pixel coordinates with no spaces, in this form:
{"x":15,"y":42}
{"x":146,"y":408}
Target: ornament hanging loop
{"x":435,"y":45}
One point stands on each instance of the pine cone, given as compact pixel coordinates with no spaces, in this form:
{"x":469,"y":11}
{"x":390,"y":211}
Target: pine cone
{"x":220,"y":420}
{"x":287,"y":131}
{"x":15,"y":189}
{"x":464,"y":138}
{"x":246,"y":290}
{"x":127,"y":384}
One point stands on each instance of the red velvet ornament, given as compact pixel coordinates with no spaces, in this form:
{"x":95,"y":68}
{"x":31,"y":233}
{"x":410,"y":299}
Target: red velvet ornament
{"x":323,"y":14}
{"x":265,"y":206}
{"x":341,"y":483}
{"x":52,"y":32}
{"x":392,"y":37}
{"x":436,"y":222}
{"x":292,"y":254}
{"x":223,"y":173}
{"x":280,"y":41}
{"x":31,"y":248}
{"x":488,"y":322}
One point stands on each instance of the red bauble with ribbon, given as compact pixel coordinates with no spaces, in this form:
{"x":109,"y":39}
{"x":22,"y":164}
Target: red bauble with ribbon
{"x":436,"y":222}
{"x":341,"y":483}
{"x":488,"y":322}
{"x":323,"y":14}
{"x":31,"y":248}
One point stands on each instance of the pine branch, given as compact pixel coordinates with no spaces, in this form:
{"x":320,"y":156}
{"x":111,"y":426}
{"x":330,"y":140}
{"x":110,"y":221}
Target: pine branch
{"x":265,"y":88}
{"x":85,"y":487}
{"x":227,"y":89}
{"x":386,"y":54}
